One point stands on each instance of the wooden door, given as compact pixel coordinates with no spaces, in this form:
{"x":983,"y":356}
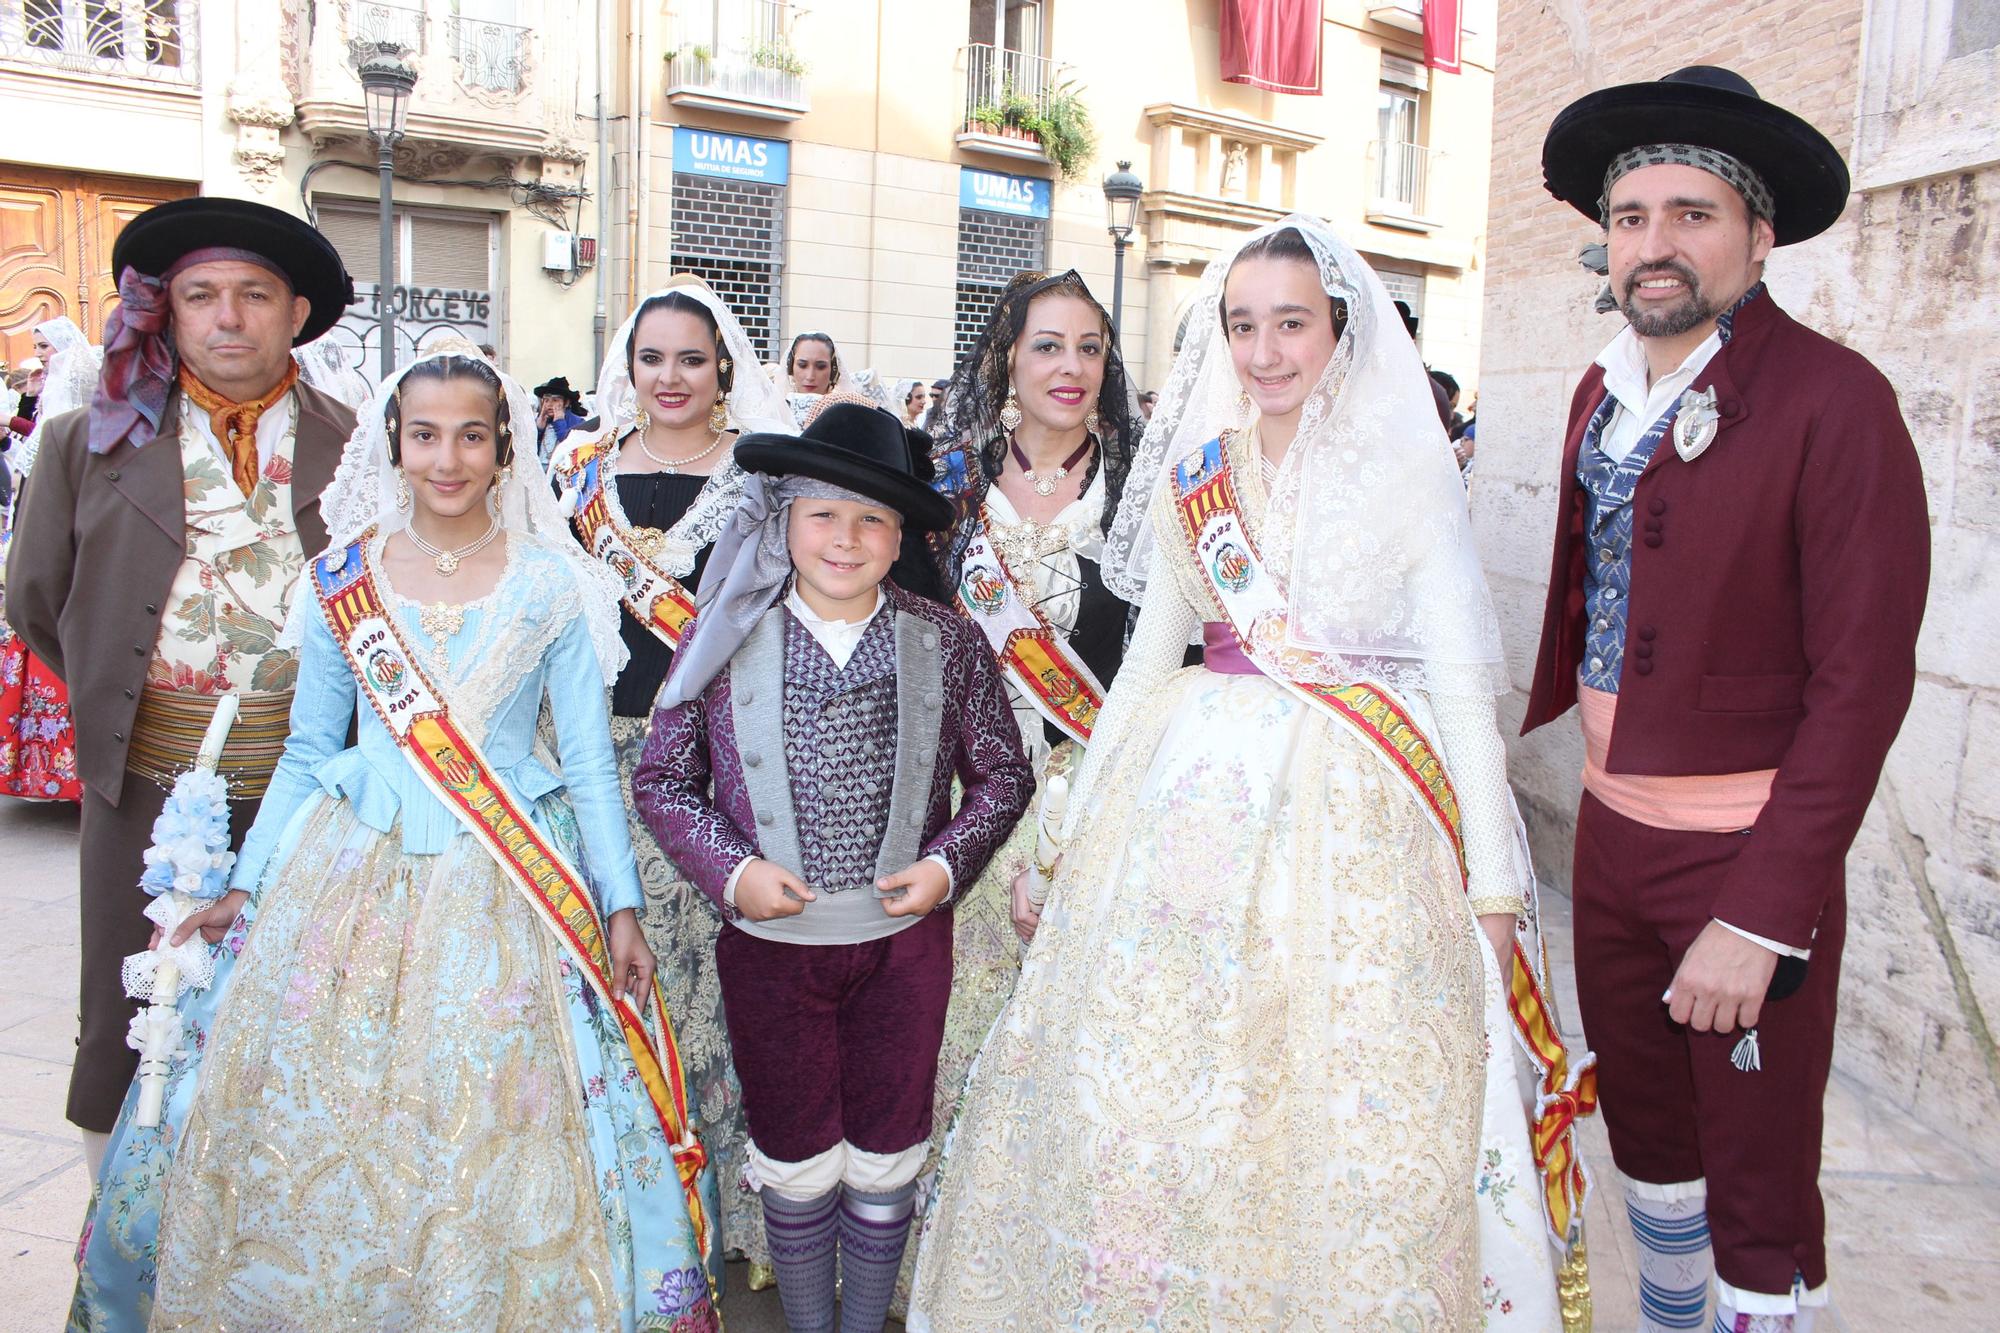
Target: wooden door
{"x":56,"y":233}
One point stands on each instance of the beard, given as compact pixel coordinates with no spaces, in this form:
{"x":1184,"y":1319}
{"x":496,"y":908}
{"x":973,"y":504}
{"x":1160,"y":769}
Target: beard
{"x":1690,"y":313}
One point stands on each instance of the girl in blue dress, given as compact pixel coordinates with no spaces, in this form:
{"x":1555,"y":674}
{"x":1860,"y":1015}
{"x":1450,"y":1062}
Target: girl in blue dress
{"x":405,"y":1104}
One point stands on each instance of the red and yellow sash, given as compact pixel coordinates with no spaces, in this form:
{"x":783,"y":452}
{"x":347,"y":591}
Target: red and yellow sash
{"x":656,"y":599}
{"x":1038,"y":659}
{"x":457,"y":773}
{"x":1249,"y":601}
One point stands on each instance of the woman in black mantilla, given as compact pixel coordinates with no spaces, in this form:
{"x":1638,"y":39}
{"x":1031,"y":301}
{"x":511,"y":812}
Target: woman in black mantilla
{"x":1036,"y":439}
{"x":680,"y":379}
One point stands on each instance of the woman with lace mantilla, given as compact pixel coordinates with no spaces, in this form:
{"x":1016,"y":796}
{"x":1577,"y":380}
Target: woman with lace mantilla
{"x":411,"y":1100}
{"x":648,"y":492}
{"x":1257,"y":1070}
{"x":1033,"y":454}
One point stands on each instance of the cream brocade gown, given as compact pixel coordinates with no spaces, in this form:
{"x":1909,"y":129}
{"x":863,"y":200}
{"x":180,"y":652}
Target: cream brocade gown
{"x":1243,"y":1081}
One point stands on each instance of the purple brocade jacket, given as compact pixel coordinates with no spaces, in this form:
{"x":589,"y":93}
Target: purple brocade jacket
{"x":951,"y":719}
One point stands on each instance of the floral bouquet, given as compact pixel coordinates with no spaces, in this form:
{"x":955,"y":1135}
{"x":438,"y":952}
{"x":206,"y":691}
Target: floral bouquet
{"x":187,"y":869}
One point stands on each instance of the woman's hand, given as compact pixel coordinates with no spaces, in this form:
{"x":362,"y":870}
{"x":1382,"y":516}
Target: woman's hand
{"x":1027,"y":916}
{"x":631,"y":960}
{"x":213,"y":922}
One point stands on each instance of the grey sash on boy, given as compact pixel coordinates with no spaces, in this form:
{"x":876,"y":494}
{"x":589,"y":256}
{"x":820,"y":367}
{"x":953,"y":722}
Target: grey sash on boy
{"x":847,"y":912}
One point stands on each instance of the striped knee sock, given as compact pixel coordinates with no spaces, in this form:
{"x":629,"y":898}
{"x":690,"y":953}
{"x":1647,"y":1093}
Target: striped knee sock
{"x":873,"y":1230}
{"x":804,"y":1235}
{"x":1670,"y":1223}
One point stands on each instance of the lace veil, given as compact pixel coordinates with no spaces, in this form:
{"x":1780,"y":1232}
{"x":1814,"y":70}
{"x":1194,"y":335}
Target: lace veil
{"x":363,"y":495}
{"x":325,"y":366}
{"x":754,"y":404}
{"x":68,"y":380}
{"x":1366,"y":529}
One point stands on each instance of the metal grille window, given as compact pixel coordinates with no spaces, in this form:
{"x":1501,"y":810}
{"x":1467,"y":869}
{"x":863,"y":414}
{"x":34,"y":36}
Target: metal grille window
{"x":732,"y":233}
{"x":992,"y":248}
{"x":446,"y":265}
{"x":125,"y":37}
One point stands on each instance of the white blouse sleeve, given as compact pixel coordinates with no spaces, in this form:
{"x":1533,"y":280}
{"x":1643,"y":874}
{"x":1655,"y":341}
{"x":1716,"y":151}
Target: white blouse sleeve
{"x":1476,"y":758}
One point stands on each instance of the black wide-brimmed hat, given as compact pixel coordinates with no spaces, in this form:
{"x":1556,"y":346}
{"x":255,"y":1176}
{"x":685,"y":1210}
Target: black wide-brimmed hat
{"x":1711,"y":108}
{"x":559,"y":386}
{"x":864,"y":449}
{"x":161,"y":236}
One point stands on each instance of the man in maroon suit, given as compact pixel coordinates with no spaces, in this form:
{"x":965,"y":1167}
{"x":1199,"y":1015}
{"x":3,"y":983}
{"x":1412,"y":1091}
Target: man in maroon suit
{"x":1741,"y":560}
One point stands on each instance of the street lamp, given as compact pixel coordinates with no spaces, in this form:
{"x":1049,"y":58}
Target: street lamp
{"x":386,"y":81}
{"x":1121,"y":214}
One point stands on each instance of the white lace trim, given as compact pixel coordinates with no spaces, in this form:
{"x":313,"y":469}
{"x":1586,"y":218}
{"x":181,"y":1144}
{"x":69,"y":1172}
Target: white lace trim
{"x":699,"y":526}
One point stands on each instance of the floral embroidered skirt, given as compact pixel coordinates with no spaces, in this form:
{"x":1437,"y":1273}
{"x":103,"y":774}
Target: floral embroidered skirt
{"x":681,"y":925}
{"x":407,"y":1111}
{"x":37,"y":744}
{"x":1243,"y":1079}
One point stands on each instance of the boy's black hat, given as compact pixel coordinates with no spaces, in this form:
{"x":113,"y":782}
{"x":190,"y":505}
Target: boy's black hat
{"x":864,"y":449}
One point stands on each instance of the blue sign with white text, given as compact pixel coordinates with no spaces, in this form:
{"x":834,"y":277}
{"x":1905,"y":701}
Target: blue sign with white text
{"x":1017,"y":196}
{"x":733,"y":157}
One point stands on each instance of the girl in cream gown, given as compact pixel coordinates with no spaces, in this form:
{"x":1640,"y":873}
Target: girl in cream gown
{"x":1258,"y":1070}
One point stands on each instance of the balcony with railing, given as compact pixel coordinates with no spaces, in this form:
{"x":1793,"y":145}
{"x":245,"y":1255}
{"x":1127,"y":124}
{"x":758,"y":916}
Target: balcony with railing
{"x":492,"y":57}
{"x":1399,"y":185}
{"x":1009,"y":96}
{"x":397,"y":25}
{"x":126,"y":39}
{"x":738,"y":57}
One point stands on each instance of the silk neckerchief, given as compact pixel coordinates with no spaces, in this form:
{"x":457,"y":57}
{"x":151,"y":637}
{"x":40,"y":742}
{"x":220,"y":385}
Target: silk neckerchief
{"x":235,"y":424}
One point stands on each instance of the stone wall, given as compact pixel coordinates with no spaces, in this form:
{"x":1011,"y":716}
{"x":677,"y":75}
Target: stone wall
{"x":1908,"y":277}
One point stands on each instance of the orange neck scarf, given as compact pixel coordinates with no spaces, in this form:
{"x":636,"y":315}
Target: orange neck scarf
{"x":235,"y":424}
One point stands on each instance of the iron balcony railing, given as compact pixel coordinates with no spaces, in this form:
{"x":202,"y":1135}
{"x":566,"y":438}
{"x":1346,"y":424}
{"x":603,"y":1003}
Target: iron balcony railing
{"x":148,"y":38}
{"x":491,"y":56}
{"x":741,"y":51}
{"x":1402,"y":174}
{"x":1007,"y":91}
{"x":398,"y":25}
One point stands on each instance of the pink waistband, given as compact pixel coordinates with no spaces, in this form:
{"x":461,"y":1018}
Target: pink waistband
{"x":1222,"y":653}
{"x":1700,"y":803}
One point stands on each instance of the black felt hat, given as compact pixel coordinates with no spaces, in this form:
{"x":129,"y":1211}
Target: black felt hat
{"x":559,"y":386}
{"x":864,"y":449}
{"x":159,"y":237}
{"x":1710,"y":108}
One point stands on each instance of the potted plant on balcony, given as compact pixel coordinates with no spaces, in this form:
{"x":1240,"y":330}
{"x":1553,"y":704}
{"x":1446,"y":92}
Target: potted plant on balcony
{"x":778,"y":57}
{"x":1065,"y":132}
{"x":985,"y":118}
{"x":1017,"y":115}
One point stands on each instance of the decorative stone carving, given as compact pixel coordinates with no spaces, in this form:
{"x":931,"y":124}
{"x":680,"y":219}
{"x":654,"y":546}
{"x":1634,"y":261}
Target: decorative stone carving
{"x":257,"y":99}
{"x":1236,"y":171}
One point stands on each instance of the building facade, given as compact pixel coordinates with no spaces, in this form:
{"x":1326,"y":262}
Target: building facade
{"x":1905,"y":89}
{"x":114,"y":105}
{"x":878,"y":169}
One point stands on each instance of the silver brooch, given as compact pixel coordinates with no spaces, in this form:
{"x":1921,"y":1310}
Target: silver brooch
{"x":1696,"y":423}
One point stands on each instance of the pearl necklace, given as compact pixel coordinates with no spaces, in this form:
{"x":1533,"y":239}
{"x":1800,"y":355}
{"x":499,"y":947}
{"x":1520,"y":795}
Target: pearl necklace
{"x":447,"y":562}
{"x":1046,"y":485}
{"x":674,"y":464}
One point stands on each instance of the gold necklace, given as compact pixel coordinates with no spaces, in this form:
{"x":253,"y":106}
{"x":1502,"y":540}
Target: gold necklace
{"x":447,"y":562}
{"x":674,"y":464}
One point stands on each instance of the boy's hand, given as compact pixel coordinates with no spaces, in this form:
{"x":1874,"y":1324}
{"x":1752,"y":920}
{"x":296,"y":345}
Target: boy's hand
{"x":766,"y":891}
{"x":924,"y":885}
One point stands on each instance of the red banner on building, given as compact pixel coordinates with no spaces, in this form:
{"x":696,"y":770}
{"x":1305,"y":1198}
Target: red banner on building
{"x":1272,"y":44}
{"x":1444,"y":33}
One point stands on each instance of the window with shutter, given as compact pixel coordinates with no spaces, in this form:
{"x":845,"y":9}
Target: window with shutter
{"x":446,"y":259}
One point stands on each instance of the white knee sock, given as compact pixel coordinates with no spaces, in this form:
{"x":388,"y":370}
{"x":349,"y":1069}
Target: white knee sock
{"x":94,"y":1145}
{"x":1670,"y":1224}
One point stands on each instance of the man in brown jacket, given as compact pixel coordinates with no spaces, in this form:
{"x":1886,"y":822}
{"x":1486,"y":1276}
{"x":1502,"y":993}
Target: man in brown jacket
{"x":156,"y":548}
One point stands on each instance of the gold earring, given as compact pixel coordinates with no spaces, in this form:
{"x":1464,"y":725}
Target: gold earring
{"x":1244,"y":407}
{"x":718,"y":416}
{"x":500,"y":480}
{"x":1010,"y":411}
{"x":638,"y":421}
{"x":403,"y":497}
{"x":1090,"y":420}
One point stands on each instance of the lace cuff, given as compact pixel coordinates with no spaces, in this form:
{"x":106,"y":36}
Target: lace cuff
{"x":1476,"y":758}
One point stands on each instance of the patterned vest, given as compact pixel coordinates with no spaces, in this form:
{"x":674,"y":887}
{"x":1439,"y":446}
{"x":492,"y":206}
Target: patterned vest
{"x":235,"y":582}
{"x":840,"y":750}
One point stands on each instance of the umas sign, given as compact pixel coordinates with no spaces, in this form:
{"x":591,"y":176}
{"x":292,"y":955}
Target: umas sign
{"x":733,"y":157}
{"x":993,"y":192}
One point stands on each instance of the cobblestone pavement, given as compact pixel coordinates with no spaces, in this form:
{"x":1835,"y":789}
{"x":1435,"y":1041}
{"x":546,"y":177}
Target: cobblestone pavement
{"x":1914,"y":1218}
